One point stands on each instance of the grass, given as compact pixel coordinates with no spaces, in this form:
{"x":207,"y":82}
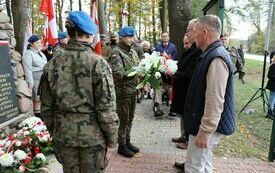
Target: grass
{"x":252,"y":138}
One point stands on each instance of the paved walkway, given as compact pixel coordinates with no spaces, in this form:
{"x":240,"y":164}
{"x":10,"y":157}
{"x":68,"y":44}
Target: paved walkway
{"x":158,"y":153}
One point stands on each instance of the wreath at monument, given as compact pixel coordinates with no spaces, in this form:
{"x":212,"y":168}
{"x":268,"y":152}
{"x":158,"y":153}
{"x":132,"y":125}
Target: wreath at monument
{"x":25,"y":150}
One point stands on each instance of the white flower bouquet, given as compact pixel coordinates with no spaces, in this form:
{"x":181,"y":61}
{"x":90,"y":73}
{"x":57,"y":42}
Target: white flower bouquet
{"x":25,"y":150}
{"x":150,"y":69}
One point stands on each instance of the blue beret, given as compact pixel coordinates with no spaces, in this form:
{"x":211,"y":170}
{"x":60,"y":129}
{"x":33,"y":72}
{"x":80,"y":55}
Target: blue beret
{"x":126,"y":31}
{"x":62,"y":35}
{"x":83,"y":21}
{"x":33,"y":38}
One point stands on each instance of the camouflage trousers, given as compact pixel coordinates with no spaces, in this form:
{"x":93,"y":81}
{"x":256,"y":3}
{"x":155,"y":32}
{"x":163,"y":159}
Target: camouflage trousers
{"x":82,"y":159}
{"x":239,"y":68}
{"x":126,"y":110}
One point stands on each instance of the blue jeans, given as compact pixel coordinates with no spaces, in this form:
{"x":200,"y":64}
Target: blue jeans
{"x":272,"y":100}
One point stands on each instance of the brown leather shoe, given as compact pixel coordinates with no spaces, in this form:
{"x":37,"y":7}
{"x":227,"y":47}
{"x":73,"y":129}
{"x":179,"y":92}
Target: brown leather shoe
{"x":179,"y":139}
{"x":182,"y":145}
{"x":179,"y":165}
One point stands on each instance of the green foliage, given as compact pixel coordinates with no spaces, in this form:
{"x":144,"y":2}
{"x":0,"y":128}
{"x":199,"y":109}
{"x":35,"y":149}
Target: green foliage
{"x":272,"y":36}
{"x":256,"y":43}
{"x":38,"y":19}
{"x":196,"y":7}
{"x":252,"y":137}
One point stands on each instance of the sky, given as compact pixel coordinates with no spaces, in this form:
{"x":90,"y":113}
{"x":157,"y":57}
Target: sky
{"x":243,"y":28}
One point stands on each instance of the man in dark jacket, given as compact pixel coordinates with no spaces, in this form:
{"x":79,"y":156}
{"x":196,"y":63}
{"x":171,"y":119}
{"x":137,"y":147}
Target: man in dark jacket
{"x":241,"y":53}
{"x":271,"y":86}
{"x":186,"y":66}
{"x":209,"y":111}
{"x":166,"y":47}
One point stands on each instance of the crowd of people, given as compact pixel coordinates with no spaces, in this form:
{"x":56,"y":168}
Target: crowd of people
{"x":88,"y":102}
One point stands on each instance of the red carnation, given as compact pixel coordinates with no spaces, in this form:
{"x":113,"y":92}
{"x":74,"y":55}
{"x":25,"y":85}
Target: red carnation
{"x":27,"y":160}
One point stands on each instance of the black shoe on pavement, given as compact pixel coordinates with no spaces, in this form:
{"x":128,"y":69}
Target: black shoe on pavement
{"x":172,"y":114}
{"x":125,"y":151}
{"x":179,"y":139}
{"x":179,"y":165}
{"x":133,"y":148}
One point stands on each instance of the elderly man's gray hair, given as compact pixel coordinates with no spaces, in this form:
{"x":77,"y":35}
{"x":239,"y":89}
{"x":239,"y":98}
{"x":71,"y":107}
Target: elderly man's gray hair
{"x":193,"y":21}
{"x":145,"y":44}
{"x":212,"y":22}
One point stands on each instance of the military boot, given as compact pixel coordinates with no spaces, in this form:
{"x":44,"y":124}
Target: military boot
{"x":133,"y":148}
{"x":125,"y":151}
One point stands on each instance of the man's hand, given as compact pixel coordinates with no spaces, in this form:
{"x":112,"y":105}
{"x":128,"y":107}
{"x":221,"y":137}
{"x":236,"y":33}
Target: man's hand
{"x":201,"y":141}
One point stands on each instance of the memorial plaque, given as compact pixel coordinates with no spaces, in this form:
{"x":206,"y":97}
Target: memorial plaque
{"x":8,"y":98}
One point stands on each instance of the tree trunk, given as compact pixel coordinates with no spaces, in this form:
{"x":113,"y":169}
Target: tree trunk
{"x":121,"y":7}
{"x":102,"y":17}
{"x":108,"y":4}
{"x":154,"y":21}
{"x":60,"y":4}
{"x":8,"y":8}
{"x":21,"y":13}
{"x":130,"y":15}
{"x":71,"y":5}
{"x":179,"y":15}
{"x":139,"y":20}
{"x":80,"y":5}
{"x":163,"y":15}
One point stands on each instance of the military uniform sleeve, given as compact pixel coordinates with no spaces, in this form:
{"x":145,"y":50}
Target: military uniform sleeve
{"x":47,"y":101}
{"x":117,"y":66}
{"x":106,"y":102}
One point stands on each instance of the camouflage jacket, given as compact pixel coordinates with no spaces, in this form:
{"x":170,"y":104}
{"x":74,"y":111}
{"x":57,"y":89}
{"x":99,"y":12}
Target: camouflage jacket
{"x":122,"y":59}
{"x":58,"y":47}
{"x":139,"y":50}
{"x":236,"y":59}
{"x":78,"y":98}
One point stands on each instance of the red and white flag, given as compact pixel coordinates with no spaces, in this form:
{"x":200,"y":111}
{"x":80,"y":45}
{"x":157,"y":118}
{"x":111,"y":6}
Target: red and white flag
{"x":50,"y":29}
{"x":96,"y":43}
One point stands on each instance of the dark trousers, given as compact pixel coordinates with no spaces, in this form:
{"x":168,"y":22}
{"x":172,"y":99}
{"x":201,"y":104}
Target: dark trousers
{"x":126,"y":110}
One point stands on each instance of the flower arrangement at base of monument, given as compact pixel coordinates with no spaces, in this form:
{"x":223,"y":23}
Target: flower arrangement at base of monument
{"x":25,"y":150}
{"x":151,"y":69}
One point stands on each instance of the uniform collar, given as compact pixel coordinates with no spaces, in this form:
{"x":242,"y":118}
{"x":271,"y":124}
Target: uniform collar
{"x":78,"y":45}
{"x":124,"y":47}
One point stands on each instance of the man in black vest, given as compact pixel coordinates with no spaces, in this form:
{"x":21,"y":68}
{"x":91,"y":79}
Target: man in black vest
{"x":209,"y":111}
{"x":186,"y":67}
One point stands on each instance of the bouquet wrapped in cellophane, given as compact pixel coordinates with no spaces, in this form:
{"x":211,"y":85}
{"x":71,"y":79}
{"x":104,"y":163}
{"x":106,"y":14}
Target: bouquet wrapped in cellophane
{"x":150,"y":69}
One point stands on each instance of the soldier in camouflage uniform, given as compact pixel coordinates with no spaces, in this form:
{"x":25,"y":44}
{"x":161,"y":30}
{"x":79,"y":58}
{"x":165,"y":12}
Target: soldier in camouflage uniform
{"x":63,"y":39}
{"x":78,"y":101}
{"x":122,"y":59}
{"x":235,"y":57}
